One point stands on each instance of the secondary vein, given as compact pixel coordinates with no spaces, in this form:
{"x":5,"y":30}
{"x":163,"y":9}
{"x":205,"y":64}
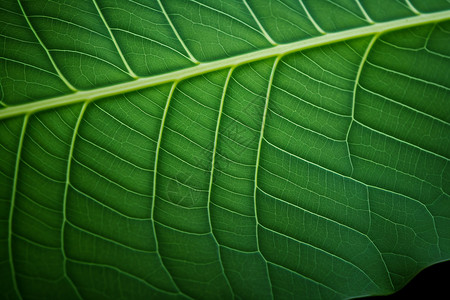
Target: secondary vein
{"x":13,"y":202}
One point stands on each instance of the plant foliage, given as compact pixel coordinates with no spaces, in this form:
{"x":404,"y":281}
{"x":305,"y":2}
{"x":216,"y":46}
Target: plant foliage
{"x":206,"y":149}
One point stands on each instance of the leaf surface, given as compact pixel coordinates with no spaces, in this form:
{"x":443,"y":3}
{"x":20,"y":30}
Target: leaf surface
{"x":222,"y":149}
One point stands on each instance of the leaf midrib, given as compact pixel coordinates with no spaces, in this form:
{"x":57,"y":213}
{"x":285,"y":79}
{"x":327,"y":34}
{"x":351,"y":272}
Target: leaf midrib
{"x":202,"y":68}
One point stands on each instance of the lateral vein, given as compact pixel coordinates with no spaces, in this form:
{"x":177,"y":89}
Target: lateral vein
{"x":119,"y":51}
{"x":12,"y":205}
{"x":50,"y":57}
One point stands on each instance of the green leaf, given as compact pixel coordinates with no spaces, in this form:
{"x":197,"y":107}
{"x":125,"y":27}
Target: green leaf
{"x":222,"y":149}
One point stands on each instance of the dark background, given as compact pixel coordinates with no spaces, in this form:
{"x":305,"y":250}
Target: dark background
{"x":431,"y":283}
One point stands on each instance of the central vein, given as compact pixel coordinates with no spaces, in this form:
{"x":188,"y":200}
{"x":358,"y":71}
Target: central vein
{"x":202,"y":68}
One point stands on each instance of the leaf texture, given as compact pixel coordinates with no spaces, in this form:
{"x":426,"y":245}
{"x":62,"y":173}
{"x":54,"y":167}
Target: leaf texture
{"x":222,"y":149}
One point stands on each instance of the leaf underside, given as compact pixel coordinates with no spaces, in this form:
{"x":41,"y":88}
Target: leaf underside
{"x":222,"y":149}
